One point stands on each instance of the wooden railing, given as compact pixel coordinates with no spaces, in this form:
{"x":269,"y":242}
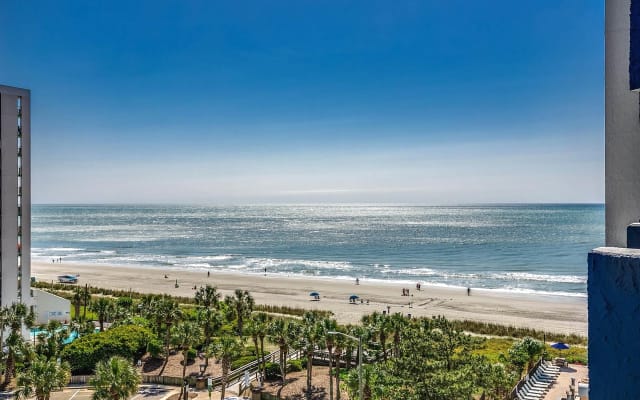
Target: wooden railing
{"x":252,"y":367}
{"x":513,"y":394}
{"x":234,"y":377}
{"x":155,"y":379}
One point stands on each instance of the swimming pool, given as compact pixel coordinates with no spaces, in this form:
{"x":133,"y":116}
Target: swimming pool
{"x":37,"y":331}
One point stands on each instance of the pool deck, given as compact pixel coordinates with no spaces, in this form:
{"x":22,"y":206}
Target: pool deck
{"x":563,"y":382}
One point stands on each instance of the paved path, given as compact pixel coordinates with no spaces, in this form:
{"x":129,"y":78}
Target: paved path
{"x":146,"y":392}
{"x":562,"y":384}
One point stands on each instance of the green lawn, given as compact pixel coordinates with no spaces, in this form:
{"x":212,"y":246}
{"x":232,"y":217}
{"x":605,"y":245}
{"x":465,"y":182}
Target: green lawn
{"x":90,"y":314}
{"x":493,"y":347}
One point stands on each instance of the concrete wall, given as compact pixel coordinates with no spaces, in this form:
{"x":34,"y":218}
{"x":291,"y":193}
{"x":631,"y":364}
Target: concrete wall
{"x":622,"y":125}
{"x":49,"y":307}
{"x":14,"y":283}
{"x":614,"y":323}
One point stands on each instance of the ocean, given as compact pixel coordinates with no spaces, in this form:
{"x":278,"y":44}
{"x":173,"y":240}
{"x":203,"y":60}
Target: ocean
{"x":514,"y":248}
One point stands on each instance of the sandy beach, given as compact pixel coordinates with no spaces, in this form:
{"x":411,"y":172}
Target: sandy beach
{"x":550,"y":313}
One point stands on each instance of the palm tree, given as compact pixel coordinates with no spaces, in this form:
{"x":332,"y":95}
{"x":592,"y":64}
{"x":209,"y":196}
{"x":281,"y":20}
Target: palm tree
{"x":252,"y":331}
{"x":17,"y":315}
{"x":283,"y":333}
{"x":379,"y":324}
{"x":225,"y":349}
{"x":114,"y":379}
{"x":257,"y":329}
{"x":163,"y":312}
{"x":242,"y":305}
{"x":144,"y":306}
{"x":329,"y":325}
{"x":184,"y":336}
{"x":211,"y":321}
{"x":369,"y":387}
{"x":50,"y":342}
{"x":77,"y":301}
{"x":85,"y":298}
{"x":208,"y":297}
{"x":42,"y":377}
{"x":340,"y":342}
{"x":103,"y":307}
{"x":310,"y":334}
{"x":397,"y":322}
{"x":361,"y":332}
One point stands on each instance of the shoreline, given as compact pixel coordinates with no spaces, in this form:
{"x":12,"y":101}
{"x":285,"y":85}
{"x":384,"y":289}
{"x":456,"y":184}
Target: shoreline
{"x":344,"y":278}
{"x":552,"y":313}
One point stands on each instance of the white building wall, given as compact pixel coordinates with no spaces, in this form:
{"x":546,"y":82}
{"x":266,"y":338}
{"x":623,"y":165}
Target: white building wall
{"x":622,"y":126}
{"x":49,"y":307}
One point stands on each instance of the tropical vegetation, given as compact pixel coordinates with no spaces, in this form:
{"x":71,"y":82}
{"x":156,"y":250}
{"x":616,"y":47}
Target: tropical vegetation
{"x":416,"y":359}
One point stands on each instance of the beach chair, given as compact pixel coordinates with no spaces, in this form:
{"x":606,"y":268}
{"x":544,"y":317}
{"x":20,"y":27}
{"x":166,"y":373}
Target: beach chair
{"x":551,"y":370}
{"x":541,"y":377}
{"x":525,"y":396}
{"x":547,"y":374}
{"x":533,"y":389}
{"x":530,"y":388}
{"x":535,"y":381}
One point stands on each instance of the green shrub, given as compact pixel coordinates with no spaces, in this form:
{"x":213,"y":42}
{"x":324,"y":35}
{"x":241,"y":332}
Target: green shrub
{"x":242,"y":361}
{"x":124,"y":302}
{"x":249,"y":351}
{"x":575,"y":354}
{"x":191,"y":354}
{"x":274,"y":309}
{"x":485,"y":328}
{"x":272,"y":371}
{"x":294,"y":366}
{"x":154,"y":347}
{"x":128,"y":341}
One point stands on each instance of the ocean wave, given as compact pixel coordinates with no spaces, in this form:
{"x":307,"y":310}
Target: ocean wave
{"x":527,"y":276}
{"x":275,"y":263}
{"x":506,"y":276}
{"x":412,"y":271}
{"x":223,"y":257}
{"x":43,"y":249}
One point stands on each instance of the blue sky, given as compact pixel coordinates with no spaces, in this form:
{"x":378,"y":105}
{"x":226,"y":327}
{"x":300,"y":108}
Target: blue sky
{"x":431,"y":102}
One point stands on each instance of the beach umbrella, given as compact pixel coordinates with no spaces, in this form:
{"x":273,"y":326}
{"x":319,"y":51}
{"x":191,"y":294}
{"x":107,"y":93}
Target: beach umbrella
{"x":353,"y":297}
{"x":314,"y":294}
{"x":559,"y":345}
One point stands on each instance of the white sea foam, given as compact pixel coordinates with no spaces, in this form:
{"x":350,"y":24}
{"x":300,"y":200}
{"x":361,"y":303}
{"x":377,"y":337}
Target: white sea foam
{"x":55,"y":249}
{"x":527,"y":276}
{"x":275,"y":263}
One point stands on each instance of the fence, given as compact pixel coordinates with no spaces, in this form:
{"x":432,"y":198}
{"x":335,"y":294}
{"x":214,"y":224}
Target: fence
{"x":514,"y":392}
{"x":253,"y":367}
{"x":155,"y":379}
{"x":80,"y":379}
{"x":236,"y":376}
{"x":162,"y":380}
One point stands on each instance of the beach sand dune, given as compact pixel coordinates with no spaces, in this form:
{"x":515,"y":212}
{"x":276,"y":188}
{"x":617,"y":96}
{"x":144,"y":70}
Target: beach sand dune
{"x":550,"y":313}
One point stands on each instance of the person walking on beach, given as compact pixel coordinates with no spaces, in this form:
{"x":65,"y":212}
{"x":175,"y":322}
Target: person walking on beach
{"x":208,"y":274}
{"x":357,"y":281}
{"x":468,"y":291}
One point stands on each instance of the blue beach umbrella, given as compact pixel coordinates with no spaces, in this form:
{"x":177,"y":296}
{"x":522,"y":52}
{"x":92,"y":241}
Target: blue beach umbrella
{"x":559,"y":346}
{"x":314,"y":294}
{"x":353,"y":297}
